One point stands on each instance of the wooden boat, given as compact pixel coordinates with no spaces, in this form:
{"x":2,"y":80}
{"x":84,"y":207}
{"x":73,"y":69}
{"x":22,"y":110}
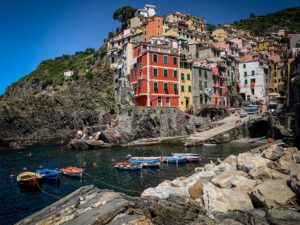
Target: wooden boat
{"x":190,"y":157}
{"x":48,"y":174}
{"x":174,"y":159}
{"x":147,"y":162}
{"x":28,"y":179}
{"x":128,"y":166}
{"x":72,"y":171}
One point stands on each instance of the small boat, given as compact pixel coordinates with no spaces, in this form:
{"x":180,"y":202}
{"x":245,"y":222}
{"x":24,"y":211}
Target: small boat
{"x":128,"y":166}
{"x":174,"y":159}
{"x":29,"y":179}
{"x":142,"y":158}
{"x":209,"y":144}
{"x":190,"y":157}
{"x":147,"y":162}
{"x":243,"y":114}
{"x":72,"y":171}
{"x":48,"y":174}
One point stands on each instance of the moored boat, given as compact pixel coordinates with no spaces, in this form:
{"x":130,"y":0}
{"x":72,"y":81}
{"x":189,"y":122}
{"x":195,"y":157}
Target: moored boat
{"x":190,"y":157}
{"x":128,"y":165}
{"x":48,"y":174}
{"x":147,"y":162}
{"x":129,"y":157}
{"x":28,"y":179}
{"x":209,"y":144}
{"x":72,"y":171}
{"x":174,"y":159}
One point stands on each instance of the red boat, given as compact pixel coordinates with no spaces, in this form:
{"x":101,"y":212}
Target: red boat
{"x":29,"y":179}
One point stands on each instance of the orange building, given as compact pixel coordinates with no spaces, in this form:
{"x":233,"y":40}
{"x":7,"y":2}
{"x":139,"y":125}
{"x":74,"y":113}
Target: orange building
{"x":154,"y":76}
{"x":154,"y":27}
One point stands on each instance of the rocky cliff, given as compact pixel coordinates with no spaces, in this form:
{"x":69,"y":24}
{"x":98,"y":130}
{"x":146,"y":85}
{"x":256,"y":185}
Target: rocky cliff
{"x":45,"y":105}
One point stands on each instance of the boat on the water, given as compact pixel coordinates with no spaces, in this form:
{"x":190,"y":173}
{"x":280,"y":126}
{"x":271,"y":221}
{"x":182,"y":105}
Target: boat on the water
{"x":29,"y":179}
{"x":48,"y":174}
{"x":209,"y":144}
{"x":147,"y":162}
{"x":129,"y":157}
{"x":174,"y":159}
{"x":128,"y":165}
{"x":72,"y":171}
{"x":190,"y":157}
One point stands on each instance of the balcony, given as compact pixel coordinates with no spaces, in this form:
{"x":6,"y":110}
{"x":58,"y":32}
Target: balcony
{"x":216,"y":85}
{"x":252,"y":85}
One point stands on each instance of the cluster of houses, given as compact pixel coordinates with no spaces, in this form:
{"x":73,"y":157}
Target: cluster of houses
{"x":173,"y":60}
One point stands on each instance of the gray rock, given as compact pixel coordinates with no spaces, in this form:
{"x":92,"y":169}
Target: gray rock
{"x":273,"y":153}
{"x":283,"y":216}
{"x":272,"y":194}
{"x":164,"y":192}
{"x":248,"y":161}
{"x":295,"y":179}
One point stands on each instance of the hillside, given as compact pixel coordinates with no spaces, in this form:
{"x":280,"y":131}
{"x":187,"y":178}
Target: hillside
{"x":45,"y":106}
{"x":260,"y":25}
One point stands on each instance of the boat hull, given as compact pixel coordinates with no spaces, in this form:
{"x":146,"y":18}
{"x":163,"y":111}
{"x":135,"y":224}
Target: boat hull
{"x":28,"y":179}
{"x":129,"y":166}
{"x":72,"y":171}
{"x":72,"y":174}
{"x":49,"y":175}
{"x":175,"y":160}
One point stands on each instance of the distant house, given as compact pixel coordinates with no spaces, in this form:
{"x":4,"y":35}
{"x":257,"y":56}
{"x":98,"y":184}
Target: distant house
{"x":68,"y":73}
{"x":147,"y":11}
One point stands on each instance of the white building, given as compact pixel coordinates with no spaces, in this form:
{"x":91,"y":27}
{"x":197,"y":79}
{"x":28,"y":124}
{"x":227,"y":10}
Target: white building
{"x":68,"y":73}
{"x":147,"y":11}
{"x":253,"y":81}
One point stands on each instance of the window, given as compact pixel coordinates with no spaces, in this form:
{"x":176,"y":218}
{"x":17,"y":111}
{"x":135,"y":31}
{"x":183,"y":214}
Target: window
{"x":275,"y":74}
{"x":205,"y":84}
{"x":165,"y":72}
{"x":165,"y":59}
{"x":175,"y":73}
{"x":182,"y":76}
{"x":154,"y":58}
{"x":200,"y":85}
{"x":165,"y":86}
{"x":167,"y":101}
{"x":252,"y":91}
{"x":155,"y":86}
{"x":190,"y":88}
{"x":159,"y":102}
{"x":252,"y":80}
{"x":158,"y":26}
{"x":155,"y":72}
{"x":205,"y":74}
{"x":275,"y":81}
{"x":244,"y":66}
{"x":145,"y":32}
{"x":245,"y":74}
{"x":197,"y":55}
{"x":246,"y":82}
{"x":175,"y":60}
{"x":182,"y":88}
{"x":189,"y":76}
{"x":175,"y":87}
{"x":140,"y":74}
{"x":158,"y":33}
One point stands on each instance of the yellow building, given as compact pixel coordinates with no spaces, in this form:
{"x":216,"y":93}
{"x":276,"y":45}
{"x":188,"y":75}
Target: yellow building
{"x":220,"y":34}
{"x":186,"y":96}
{"x":267,"y":45}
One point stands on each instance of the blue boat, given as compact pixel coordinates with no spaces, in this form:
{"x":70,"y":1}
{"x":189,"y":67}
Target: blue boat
{"x":251,"y":108}
{"x":174,"y":159}
{"x":48,"y":174}
{"x":147,"y":162}
{"x":128,"y":166}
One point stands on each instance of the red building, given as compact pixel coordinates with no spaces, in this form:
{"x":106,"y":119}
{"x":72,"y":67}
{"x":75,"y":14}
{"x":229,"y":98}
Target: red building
{"x":154,"y":77}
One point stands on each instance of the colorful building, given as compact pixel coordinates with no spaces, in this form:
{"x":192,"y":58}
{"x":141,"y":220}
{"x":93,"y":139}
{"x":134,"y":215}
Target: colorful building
{"x":153,"y":27}
{"x":186,"y":77}
{"x":155,"y":74}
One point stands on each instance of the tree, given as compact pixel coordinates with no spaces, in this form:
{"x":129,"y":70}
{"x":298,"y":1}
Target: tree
{"x":124,"y":14}
{"x":210,"y":27}
{"x":252,"y":15}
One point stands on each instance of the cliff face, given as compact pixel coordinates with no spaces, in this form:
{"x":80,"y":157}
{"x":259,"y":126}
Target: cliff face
{"x":31,"y":112}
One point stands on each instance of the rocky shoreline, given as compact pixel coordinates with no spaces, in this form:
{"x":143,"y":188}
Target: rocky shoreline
{"x":257,"y":187}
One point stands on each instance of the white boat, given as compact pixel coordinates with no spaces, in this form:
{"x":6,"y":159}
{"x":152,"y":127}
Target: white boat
{"x":190,"y":157}
{"x":209,"y":144}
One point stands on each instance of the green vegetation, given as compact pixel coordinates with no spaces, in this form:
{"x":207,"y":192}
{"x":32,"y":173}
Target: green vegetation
{"x":51,"y":72}
{"x":260,"y":25}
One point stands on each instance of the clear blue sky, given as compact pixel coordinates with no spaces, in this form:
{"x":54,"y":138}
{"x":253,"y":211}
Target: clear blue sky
{"x":35,"y":30}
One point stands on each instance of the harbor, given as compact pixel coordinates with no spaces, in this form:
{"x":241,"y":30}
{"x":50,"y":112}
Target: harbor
{"x":23,"y":202}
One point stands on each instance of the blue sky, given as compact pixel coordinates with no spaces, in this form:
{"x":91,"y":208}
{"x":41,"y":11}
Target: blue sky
{"x":35,"y":30}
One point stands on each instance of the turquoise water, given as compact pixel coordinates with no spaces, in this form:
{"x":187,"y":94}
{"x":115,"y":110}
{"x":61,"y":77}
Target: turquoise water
{"x":16,"y":203}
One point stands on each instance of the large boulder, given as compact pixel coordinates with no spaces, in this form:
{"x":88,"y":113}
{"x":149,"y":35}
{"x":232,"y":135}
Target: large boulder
{"x":248,"y":161}
{"x":164,"y":192}
{"x":272,"y":193}
{"x":230,"y":179}
{"x":267,"y":173}
{"x":274,"y":152}
{"x":222,"y":200}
